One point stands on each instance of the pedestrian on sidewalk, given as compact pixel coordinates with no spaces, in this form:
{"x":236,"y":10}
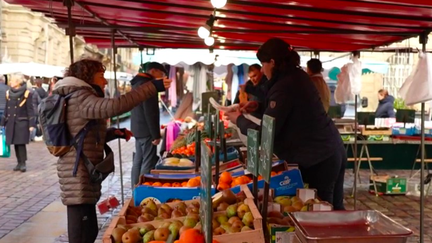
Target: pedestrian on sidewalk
{"x":18,"y":119}
{"x":145,"y":124}
{"x":84,"y":81}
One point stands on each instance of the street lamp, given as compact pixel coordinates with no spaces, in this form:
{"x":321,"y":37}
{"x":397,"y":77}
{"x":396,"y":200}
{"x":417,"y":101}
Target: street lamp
{"x":204,"y":31}
{"x":209,"y":41}
{"x":218,"y":3}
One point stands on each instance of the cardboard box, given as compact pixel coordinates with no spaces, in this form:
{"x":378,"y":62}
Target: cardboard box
{"x":389,"y":185}
{"x":285,"y":184}
{"x":282,"y":234}
{"x":166,"y":194}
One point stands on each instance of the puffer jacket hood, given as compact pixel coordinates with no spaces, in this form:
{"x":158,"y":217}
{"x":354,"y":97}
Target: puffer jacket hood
{"x":69,"y":85}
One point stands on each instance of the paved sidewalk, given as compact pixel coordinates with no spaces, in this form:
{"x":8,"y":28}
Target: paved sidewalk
{"x":25,"y":197}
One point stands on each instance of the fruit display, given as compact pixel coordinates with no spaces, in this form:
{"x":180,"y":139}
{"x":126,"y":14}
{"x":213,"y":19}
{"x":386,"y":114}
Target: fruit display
{"x":193,"y":182}
{"x":180,"y":222}
{"x":294,"y":204}
{"x":177,"y":162}
{"x":226,"y":180}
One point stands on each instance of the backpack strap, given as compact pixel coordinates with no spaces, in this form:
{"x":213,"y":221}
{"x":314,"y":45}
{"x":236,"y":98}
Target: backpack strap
{"x":78,"y":142}
{"x":26,"y":94}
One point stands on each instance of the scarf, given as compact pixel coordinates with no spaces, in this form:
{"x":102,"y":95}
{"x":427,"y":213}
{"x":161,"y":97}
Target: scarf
{"x":17,"y":93}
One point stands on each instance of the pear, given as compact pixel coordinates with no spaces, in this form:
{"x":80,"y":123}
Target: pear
{"x":193,"y":216}
{"x":175,"y":227}
{"x":222,"y":206}
{"x":176,"y":213}
{"x":219,"y":231}
{"x":248,"y":219}
{"x":149,"y":211}
{"x":152,"y":205}
{"x":237,"y":226}
{"x":149,"y":236}
{"x":245,"y":228}
{"x":146,"y":228}
{"x":231,"y":211}
{"x":161,"y":234}
{"x":284,"y":200}
{"x":234,"y":219}
{"x":198,"y":226}
{"x":117,"y":234}
{"x":130,"y":237}
{"x":229,"y":196}
{"x":227,"y":227}
{"x":165,"y":225}
{"x":167,"y":208}
{"x":222,"y":219}
{"x":215,"y":224}
{"x":190,"y":222}
{"x":242,"y":210}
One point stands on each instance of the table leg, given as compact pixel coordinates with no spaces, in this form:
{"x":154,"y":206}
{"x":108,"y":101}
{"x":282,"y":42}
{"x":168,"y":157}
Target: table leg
{"x":372,"y":170}
{"x":357,"y":165}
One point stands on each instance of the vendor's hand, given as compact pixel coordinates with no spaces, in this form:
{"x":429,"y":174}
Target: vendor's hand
{"x":232,"y":116}
{"x":167,"y":83}
{"x":156,"y":142}
{"x":124,"y":133}
{"x":242,"y":87}
{"x":249,"y":107}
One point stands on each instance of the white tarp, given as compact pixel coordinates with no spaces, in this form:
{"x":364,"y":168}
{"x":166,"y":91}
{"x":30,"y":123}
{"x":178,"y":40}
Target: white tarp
{"x":418,"y":86}
{"x":32,"y":69}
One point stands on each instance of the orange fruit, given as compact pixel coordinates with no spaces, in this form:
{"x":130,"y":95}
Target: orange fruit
{"x":280,"y":172}
{"x":191,"y":236}
{"x":184,"y":184}
{"x":225,"y":177}
{"x":246,"y":179}
{"x":166,"y":185}
{"x":273,"y":173}
{"x":193,"y":183}
{"x":147,"y":184}
{"x":176,"y":184}
{"x":157,"y":184}
{"x":260,"y":177}
{"x":223,"y":186}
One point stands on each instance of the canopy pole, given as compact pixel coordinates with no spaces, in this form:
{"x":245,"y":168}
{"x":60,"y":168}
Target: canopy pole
{"x":423,"y":41}
{"x":70,"y":30}
{"x":141,"y":54}
{"x":355,"y":151}
{"x":114,"y":56}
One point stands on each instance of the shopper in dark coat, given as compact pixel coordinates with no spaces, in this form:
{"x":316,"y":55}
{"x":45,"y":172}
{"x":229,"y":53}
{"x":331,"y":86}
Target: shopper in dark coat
{"x":386,"y":105}
{"x":3,"y":88}
{"x":145,"y":124}
{"x":19,"y":119}
{"x":304,"y":134}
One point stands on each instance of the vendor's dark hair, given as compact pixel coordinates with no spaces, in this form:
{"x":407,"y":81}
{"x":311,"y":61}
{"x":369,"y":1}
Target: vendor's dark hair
{"x":254,"y":67}
{"x":282,"y":53}
{"x":315,"y":65}
{"x":85,"y":70}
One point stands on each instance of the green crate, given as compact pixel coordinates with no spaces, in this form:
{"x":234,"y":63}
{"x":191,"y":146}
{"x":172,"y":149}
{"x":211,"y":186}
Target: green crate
{"x":389,"y":185}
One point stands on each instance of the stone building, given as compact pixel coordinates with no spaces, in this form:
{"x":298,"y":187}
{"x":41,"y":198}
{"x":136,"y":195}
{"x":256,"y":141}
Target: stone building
{"x":29,"y":36}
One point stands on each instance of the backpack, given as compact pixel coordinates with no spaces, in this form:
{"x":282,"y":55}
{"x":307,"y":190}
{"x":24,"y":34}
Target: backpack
{"x":26,"y":95}
{"x":59,"y":141}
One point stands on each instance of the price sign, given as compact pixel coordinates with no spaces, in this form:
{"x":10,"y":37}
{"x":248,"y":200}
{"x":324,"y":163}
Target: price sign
{"x":252,"y":151}
{"x":208,"y":124}
{"x":206,"y":208}
{"x":266,"y":153}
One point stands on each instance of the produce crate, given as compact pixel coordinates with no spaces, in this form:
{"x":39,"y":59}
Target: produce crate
{"x":252,"y":236}
{"x":233,"y":164}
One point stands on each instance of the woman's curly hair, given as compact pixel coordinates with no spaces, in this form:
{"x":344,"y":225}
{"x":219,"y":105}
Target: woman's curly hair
{"x":85,"y":70}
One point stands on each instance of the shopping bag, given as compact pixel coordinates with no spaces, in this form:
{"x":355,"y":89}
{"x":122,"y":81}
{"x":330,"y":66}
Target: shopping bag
{"x":4,"y":148}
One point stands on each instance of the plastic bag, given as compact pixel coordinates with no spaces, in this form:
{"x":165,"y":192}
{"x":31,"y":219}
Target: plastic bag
{"x":349,"y":82}
{"x":418,"y":86}
{"x":355,"y":73}
{"x":4,"y":148}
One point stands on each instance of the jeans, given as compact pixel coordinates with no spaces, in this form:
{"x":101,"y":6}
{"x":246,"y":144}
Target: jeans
{"x":327,"y":177}
{"x":145,"y":158}
{"x":82,"y":223}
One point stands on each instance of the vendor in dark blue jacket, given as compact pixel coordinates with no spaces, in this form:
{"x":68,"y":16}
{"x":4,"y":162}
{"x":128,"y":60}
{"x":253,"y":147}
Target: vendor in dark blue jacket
{"x":256,"y":88}
{"x":145,"y":124}
{"x":305,"y":135}
{"x":386,"y":105}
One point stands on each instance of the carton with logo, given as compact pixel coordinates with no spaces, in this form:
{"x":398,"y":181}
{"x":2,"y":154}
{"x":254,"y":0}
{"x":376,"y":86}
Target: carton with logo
{"x":389,"y":185}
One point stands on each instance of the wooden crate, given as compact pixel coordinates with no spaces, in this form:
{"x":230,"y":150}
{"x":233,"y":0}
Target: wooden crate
{"x":130,"y":203}
{"x":252,"y":236}
{"x":222,"y":167}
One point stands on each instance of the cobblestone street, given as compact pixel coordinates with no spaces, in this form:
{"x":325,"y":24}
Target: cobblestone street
{"x":24,"y":195}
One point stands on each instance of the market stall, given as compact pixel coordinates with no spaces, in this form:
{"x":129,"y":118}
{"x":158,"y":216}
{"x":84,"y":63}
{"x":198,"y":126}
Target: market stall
{"x":333,"y":25}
